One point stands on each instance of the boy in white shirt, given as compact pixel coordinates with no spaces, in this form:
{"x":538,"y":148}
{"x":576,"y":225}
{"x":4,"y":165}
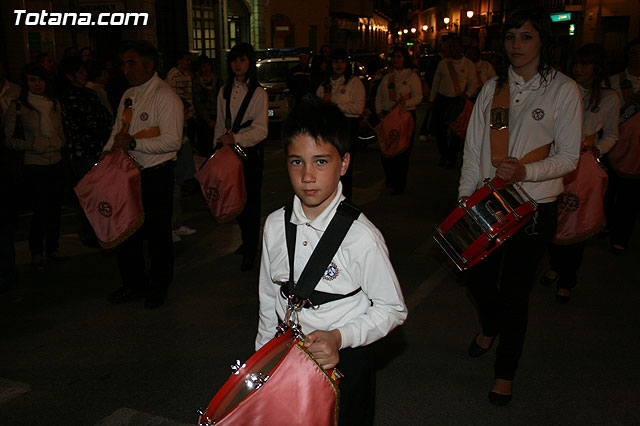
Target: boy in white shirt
{"x":370,"y":302}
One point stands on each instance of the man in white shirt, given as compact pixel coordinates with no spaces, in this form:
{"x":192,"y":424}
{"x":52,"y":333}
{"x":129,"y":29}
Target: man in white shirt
{"x":154,"y":137}
{"x":455,"y":79}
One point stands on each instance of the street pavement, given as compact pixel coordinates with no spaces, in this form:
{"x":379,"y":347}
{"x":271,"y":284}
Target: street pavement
{"x":69,"y":358}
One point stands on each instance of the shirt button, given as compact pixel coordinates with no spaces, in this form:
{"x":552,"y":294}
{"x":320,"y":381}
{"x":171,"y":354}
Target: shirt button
{"x":304,"y":243}
{"x":308,"y":224}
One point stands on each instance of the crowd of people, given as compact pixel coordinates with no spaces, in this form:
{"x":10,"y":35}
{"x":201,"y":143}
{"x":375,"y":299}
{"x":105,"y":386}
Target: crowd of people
{"x":65,"y":117}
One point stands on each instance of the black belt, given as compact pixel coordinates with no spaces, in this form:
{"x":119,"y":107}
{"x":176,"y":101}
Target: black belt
{"x":159,"y":166}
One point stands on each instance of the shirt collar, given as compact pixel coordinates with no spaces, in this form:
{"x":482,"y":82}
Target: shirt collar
{"x":139,"y":91}
{"x":337,"y":81}
{"x":240,"y":85}
{"x":321,"y":222}
{"x":515,"y":78}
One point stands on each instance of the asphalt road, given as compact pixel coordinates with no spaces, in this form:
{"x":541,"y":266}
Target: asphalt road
{"x":69,"y":358}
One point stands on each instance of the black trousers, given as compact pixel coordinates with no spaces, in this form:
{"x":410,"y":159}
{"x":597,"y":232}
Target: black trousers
{"x":249,"y":219}
{"x":565,"y":260}
{"x":358,"y":387}
{"x":501,"y":283}
{"x":46,"y":187}
{"x":449,"y":144}
{"x":157,"y":199}
{"x":396,"y":168}
{"x":622,"y":204}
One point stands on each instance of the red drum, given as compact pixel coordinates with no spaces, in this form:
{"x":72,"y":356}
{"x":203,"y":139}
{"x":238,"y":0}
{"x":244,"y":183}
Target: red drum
{"x":111,"y":196}
{"x":394,"y":132}
{"x":581,"y":206}
{"x":281,"y":384}
{"x":483,"y":221}
{"x":222,"y":182}
{"x":624,"y":157}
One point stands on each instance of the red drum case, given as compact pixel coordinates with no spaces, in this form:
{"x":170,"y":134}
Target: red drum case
{"x":281,"y":384}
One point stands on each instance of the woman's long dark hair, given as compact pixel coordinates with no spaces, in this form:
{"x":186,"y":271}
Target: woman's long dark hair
{"x":38,"y":71}
{"x":593,"y":53}
{"x":237,"y":51}
{"x":337,"y":54}
{"x":542,"y":23}
{"x":405,"y":54}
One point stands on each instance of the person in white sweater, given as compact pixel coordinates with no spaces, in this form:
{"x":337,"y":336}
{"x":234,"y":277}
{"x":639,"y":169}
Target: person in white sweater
{"x":540,"y":144}
{"x":599,"y":134}
{"x":345,"y":90}
{"x":400,"y":86}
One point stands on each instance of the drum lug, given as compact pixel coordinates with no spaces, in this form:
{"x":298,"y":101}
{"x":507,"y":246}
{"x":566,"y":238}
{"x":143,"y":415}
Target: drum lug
{"x":255,"y":380}
{"x":204,"y":420}
{"x":235,"y":368}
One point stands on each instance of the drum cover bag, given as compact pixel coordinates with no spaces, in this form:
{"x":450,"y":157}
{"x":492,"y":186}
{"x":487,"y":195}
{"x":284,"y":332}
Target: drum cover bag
{"x":394,"y":131}
{"x":111,"y":196}
{"x":581,"y":206}
{"x":298,"y":392}
{"x":624,"y":157}
{"x":222,"y":183}
{"x":460,"y":124}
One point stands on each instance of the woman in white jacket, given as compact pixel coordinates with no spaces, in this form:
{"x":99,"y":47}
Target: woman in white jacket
{"x":400,"y":86}
{"x":34,"y":125}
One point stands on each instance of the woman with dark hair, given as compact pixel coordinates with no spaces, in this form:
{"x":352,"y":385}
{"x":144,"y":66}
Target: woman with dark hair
{"x":347,"y":92}
{"x":34,"y":125}
{"x":87,"y":126}
{"x":400,"y":86}
{"x":599,"y":135}
{"x":242,"y":120}
{"x":535,"y":146}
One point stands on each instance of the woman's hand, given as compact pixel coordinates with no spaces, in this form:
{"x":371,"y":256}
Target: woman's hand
{"x":324,"y":346}
{"x":227,"y":139}
{"x":511,"y":170}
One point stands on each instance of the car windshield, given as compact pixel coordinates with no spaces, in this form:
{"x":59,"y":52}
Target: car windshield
{"x":274,"y":72}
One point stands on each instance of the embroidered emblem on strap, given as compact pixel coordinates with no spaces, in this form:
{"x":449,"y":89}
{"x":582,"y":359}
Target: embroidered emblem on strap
{"x":537,"y":114}
{"x":331,"y":273}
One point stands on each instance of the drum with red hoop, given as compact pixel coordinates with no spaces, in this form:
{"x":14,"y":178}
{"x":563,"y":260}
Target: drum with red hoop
{"x":281,"y":384}
{"x":484,"y":221}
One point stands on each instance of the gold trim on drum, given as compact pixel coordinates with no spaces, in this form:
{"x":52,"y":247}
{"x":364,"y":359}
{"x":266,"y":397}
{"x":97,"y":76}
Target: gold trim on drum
{"x":499,"y":118}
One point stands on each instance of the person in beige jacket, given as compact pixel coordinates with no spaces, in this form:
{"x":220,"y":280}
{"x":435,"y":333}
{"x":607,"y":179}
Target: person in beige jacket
{"x":34,"y":125}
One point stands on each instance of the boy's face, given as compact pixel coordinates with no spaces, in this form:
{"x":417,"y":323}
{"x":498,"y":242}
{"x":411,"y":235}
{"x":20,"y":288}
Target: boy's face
{"x":314,"y":168}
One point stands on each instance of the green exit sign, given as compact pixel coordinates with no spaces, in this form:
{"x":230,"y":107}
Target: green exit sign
{"x":409,"y":44}
{"x":558,"y":17}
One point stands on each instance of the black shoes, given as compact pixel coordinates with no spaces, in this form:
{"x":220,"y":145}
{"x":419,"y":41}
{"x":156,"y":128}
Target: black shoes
{"x":476,"y":351}
{"x":154,"y":301}
{"x":499,"y":399}
{"x":125,"y":294}
{"x":547,"y":281}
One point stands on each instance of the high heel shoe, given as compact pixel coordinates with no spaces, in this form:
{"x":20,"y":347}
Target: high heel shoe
{"x":476,"y":351}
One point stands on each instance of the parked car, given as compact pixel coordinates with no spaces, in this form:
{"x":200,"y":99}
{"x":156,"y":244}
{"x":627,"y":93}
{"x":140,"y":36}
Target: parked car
{"x":272,"y":74}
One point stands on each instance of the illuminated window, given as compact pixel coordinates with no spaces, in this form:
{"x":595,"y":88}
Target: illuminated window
{"x":204,"y":34}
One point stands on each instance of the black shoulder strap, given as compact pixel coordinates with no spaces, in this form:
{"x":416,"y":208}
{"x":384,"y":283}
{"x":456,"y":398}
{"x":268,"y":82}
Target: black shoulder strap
{"x":237,"y":123}
{"x":321,"y":256}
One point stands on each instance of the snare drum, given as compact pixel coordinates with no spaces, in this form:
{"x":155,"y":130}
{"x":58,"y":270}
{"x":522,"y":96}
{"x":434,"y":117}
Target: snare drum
{"x":483,"y":221}
{"x":281,"y":384}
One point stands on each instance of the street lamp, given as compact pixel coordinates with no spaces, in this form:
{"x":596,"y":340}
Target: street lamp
{"x":425,"y":28}
{"x":413,"y":30}
{"x":399,"y":32}
{"x":405,"y":31}
{"x":446,"y":20}
{"x":469,"y":14}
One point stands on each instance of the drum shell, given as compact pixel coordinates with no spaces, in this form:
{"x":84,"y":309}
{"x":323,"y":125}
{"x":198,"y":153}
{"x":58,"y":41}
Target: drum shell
{"x":485,"y":220}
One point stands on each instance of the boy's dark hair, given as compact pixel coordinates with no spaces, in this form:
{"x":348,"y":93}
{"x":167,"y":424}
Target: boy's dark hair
{"x":143,"y":48}
{"x":319,"y":119}
{"x":542,"y":23}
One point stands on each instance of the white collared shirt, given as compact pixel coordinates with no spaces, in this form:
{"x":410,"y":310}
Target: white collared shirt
{"x":349,"y":97}
{"x":604,"y":117}
{"x":155,"y":104}
{"x":183,"y":85}
{"x":633,"y":79}
{"x":406,"y":82}
{"x":256,"y":111}
{"x":443,"y":84}
{"x":361,"y":261}
{"x":539,"y":113}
